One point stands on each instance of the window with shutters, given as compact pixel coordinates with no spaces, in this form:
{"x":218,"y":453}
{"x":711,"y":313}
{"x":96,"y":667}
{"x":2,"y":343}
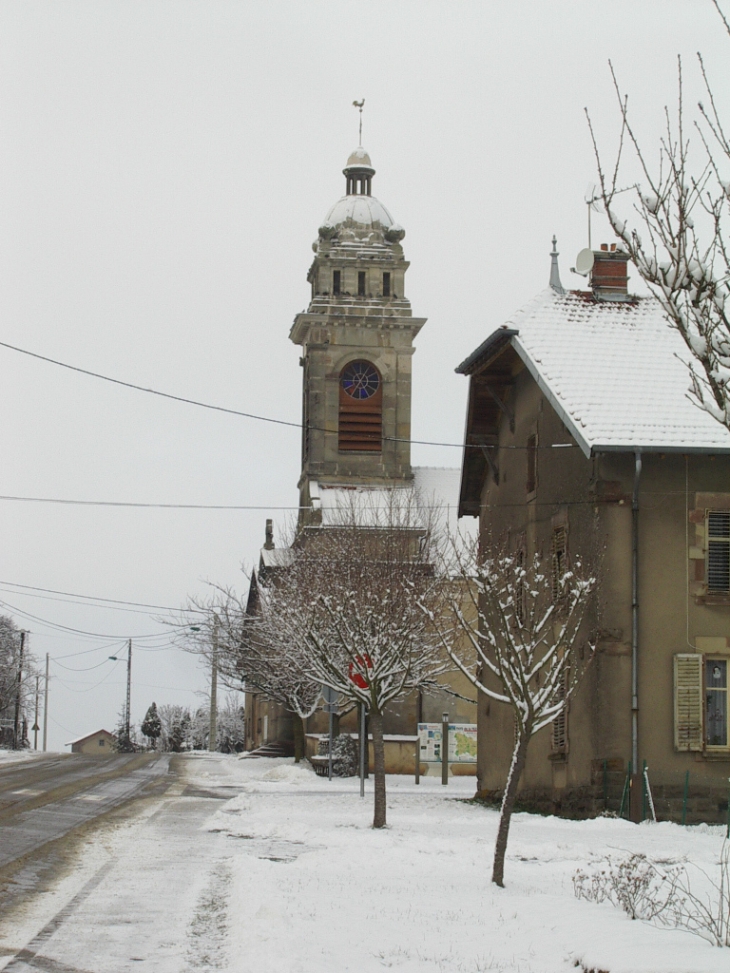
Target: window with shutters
{"x":361,"y":408}
{"x":716,"y":708}
{"x":531,"y":484}
{"x":520,"y":586}
{"x":559,"y":560}
{"x":688,"y":701}
{"x":718,"y":551}
{"x":559,"y":742}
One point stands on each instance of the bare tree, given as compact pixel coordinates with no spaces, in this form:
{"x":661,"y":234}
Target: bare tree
{"x":370,"y":640}
{"x":274,"y":648}
{"x":523,"y":623}
{"x":676,"y":234}
{"x":261,"y":647}
{"x":17,"y":682}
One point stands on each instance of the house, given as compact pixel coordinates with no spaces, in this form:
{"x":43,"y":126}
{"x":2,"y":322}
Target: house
{"x":357,"y":346}
{"x":582,"y":441}
{"x":98,"y":744}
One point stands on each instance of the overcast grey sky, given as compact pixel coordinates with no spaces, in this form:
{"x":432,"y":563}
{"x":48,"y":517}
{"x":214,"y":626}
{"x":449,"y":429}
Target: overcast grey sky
{"x":164,"y":167}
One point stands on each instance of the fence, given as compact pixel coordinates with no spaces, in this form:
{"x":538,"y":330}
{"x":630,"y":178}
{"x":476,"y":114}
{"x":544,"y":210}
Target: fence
{"x":686,"y":797}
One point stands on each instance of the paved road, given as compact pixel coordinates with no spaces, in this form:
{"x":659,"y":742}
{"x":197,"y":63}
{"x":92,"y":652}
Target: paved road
{"x":44,"y":799}
{"x":145,"y":887}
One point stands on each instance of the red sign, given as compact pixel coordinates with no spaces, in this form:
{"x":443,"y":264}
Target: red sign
{"x":357,"y":677}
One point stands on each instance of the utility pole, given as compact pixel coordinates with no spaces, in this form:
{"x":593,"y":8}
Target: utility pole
{"x":45,"y":710}
{"x":213,"y":730}
{"x":129,"y":688}
{"x":19,"y":684}
{"x":36,"y":728}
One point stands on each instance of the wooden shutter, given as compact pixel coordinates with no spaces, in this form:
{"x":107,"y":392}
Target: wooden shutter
{"x":688,"y":702}
{"x":559,"y":743}
{"x":558,"y":559}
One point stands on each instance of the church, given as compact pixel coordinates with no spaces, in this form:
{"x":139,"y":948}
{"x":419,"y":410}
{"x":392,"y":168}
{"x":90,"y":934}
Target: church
{"x":357,"y":339}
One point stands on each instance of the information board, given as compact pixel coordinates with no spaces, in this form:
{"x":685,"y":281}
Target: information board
{"x":462,"y":742}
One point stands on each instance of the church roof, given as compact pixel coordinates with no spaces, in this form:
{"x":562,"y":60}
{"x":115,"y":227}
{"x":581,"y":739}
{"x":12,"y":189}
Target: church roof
{"x":614,"y":371}
{"x":433,"y":490}
{"x":364,"y":210}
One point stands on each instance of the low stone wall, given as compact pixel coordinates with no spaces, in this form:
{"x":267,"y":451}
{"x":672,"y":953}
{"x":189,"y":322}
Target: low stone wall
{"x":706,"y":801}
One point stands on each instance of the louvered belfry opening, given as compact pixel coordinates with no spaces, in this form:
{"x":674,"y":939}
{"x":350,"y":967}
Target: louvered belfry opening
{"x":361,"y":408}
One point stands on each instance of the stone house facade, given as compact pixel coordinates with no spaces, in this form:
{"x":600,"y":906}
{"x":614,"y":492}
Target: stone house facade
{"x":581,"y":441}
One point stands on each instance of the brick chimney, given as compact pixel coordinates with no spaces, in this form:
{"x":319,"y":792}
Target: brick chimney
{"x":609,"y":278}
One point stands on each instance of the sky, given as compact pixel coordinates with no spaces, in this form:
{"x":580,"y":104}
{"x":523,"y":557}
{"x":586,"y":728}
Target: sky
{"x":164,"y":168}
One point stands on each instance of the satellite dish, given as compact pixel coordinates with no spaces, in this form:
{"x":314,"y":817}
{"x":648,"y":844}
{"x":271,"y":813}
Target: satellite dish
{"x":584,"y":262}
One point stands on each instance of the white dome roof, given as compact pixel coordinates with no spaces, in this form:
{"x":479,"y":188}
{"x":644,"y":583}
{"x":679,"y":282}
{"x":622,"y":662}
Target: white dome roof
{"x":365,"y":210}
{"x":359,"y":158}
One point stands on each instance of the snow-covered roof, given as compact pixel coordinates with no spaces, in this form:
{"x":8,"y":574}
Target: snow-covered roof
{"x":277,"y":557}
{"x":89,"y":736}
{"x":615,"y":372}
{"x":365,"y":210}
{"x":439,"y":486}
{"x":359,"y":159}
{"x":432,"y":489}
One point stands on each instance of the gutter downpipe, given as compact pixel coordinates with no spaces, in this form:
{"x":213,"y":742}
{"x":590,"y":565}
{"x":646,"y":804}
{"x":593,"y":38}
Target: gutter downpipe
{"x":635,"y":801}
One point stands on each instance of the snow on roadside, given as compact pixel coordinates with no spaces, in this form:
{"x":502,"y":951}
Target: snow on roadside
{"x":317,"y":889}
{"x":15,"y":756}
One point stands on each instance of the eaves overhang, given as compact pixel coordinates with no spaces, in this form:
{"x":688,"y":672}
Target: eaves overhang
{"x":486,"y":350}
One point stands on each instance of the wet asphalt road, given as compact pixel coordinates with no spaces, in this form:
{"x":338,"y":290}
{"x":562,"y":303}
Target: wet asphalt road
{"x":46,"y":798}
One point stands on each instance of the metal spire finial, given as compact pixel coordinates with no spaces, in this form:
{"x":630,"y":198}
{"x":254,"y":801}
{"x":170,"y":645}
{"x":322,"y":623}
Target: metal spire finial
{"x":554,"y":269}
{"x":359,"y":105}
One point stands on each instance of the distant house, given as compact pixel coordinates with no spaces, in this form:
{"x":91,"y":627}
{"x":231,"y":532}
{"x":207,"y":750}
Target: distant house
{"x":582,"y":442}
{"x":97,"y":744}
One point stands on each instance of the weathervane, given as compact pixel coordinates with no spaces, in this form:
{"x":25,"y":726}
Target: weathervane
{"x":358,"y":105}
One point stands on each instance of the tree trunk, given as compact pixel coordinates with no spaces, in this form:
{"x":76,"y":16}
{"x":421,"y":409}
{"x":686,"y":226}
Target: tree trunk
{"x":376,"y":728}
{"x":508,"y":802}
{"x":299,"y":741}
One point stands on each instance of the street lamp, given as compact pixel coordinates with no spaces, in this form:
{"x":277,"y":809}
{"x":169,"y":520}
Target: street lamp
{"x":115,"y":658}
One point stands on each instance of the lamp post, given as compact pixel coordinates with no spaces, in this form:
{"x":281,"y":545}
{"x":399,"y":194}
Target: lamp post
{"x":115,"y":658}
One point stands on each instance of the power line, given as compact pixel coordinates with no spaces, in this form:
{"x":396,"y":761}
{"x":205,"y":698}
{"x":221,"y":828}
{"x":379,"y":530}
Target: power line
{"x":237,"y":412}
{"x":97,"y":598}
{"x":85,"y":669}
{"x":162,"y":506}
{"x":78,"y":631}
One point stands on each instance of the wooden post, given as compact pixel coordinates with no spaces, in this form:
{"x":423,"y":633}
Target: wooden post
{"x":445,"y":749}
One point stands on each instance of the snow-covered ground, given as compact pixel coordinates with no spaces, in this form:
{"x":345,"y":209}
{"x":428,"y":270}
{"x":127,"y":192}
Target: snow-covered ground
{"x":289,"y":877}
{"x":14,"y":756}
{"x":314,"y":888}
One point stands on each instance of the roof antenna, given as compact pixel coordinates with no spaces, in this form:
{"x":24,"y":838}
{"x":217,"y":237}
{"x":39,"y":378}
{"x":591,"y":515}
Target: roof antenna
{"x":593,"y":198}
{"x":359,"y":105}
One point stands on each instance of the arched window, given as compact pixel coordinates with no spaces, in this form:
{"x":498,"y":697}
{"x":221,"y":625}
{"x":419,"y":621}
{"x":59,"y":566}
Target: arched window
{"x":361,"y":408}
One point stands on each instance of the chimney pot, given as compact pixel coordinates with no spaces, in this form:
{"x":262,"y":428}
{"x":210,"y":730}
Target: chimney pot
{"x":613,"y":247}
{"x":604,"y":246}
{"x":269,"y":543}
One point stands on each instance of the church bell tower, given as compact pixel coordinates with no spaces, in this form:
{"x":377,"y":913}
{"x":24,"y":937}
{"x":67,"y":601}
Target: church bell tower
{"x":357,"y":345}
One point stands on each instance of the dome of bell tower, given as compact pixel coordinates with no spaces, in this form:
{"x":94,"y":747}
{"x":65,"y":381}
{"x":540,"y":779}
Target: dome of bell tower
{"x":358,"y":213}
